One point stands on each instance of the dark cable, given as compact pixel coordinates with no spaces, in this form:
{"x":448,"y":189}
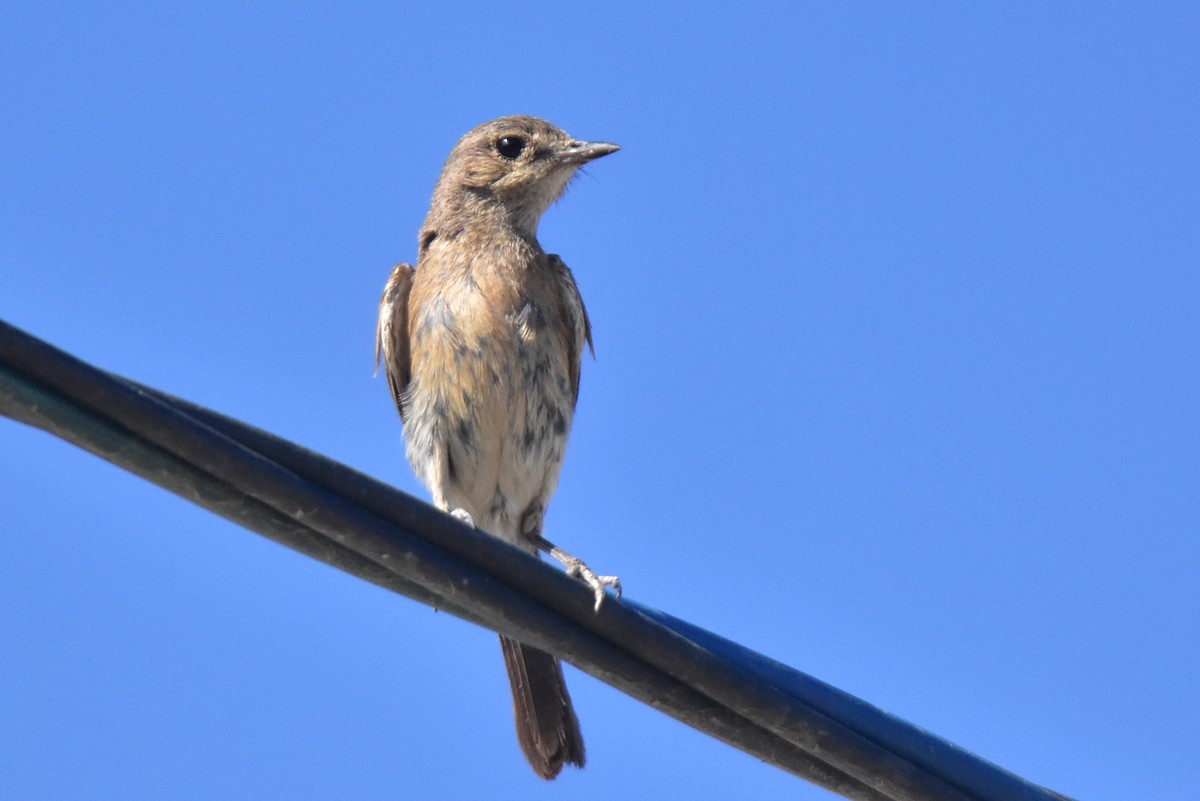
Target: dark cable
{"x":359,"y":525}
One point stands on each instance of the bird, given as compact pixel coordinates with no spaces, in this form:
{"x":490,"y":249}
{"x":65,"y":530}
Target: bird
{"x":482,"y":345}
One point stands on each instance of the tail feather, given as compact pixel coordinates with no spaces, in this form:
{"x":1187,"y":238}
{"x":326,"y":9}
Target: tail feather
{"x":546,"y":724}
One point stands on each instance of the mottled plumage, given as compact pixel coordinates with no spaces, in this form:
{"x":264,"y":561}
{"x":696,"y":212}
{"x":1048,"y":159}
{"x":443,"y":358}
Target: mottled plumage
{"x":482,"y":346}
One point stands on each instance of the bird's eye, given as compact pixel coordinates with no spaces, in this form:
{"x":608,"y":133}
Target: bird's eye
{"x":510,"y":147}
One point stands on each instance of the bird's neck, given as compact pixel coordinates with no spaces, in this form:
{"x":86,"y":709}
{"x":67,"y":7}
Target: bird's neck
{"x":466,"y":208}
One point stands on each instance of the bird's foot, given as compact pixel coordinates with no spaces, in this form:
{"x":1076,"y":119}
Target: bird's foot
{"x":577,"y":568}
{"x":463,"y":516}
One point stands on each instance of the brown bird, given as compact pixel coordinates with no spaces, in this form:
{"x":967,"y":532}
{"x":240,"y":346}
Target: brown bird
{"x":482,"y":345}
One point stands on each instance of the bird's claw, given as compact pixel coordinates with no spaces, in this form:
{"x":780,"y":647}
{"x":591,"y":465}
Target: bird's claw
{"x":576,"y":567}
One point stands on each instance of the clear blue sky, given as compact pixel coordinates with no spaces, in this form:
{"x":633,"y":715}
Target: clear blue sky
{"x":897,"y":379}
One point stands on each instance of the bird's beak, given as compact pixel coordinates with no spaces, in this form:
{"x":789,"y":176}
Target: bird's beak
{"x":582,"y":152}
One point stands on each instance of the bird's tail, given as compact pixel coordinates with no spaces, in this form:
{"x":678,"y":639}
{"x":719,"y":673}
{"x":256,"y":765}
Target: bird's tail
{"x":546,"y":724}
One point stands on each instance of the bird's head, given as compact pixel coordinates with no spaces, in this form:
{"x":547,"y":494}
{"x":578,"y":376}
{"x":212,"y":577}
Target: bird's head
{"x":518,"y":166}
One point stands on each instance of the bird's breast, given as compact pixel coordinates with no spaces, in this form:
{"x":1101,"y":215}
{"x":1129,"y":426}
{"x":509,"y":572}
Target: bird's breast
{"x":490,"y":379}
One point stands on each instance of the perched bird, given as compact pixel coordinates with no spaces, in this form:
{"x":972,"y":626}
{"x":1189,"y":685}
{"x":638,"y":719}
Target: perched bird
{"x":482,"y":346}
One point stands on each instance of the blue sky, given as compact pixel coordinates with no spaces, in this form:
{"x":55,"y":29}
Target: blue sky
{"x":897,"y":379}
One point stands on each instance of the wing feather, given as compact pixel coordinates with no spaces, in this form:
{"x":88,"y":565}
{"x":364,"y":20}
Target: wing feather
{"x":391,"y":336}
{"x":580,"y":327}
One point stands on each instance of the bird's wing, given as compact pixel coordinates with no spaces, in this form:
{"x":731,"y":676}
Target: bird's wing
{"x":391,"y":336}
{"x":579,"y":326}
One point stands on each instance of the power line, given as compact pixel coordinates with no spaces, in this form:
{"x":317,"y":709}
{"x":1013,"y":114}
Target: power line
{"x":368,"y":529}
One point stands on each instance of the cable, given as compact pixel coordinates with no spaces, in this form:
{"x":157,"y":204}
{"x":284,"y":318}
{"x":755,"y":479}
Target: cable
{"x":357,"y":524}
